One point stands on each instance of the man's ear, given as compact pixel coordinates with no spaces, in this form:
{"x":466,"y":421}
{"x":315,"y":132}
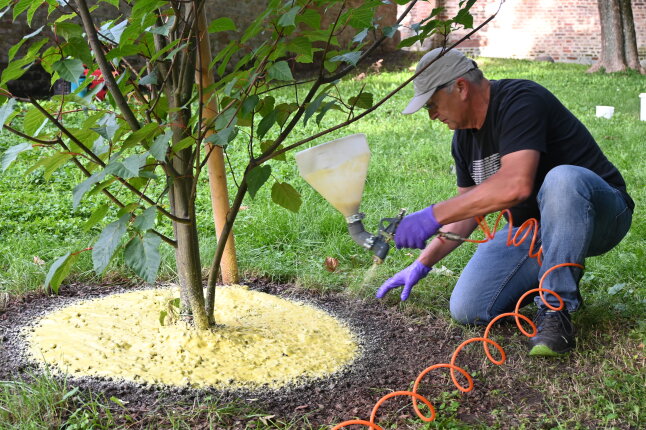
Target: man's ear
{"x":463,"y":87}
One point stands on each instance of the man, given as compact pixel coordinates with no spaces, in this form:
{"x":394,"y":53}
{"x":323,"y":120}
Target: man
{"x":515,"y":146}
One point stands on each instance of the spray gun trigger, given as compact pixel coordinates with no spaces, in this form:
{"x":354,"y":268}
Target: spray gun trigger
{"x":387,"y":231}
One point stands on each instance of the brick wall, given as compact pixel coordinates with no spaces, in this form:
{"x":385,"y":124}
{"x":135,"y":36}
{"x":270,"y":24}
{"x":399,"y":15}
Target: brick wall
{"x":238,"y":11}
{"x":566,"y":30}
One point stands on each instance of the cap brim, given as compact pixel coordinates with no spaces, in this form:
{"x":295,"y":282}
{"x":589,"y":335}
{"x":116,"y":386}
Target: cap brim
{"x":418,"y":101}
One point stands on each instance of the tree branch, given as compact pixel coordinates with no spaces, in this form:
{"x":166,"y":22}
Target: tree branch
{"x":104,"y":65}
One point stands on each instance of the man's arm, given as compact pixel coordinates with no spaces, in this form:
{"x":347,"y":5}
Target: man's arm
{"x":510,"y":185}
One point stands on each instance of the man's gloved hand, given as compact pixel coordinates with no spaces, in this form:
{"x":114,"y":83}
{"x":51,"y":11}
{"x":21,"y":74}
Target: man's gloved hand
{"x":415,"y":228}
{"x":406,"y":278}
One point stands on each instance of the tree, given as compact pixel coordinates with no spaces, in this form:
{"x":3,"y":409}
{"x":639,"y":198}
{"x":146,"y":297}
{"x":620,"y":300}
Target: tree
{"x":618,"y":38}
{"x":169,"y":106}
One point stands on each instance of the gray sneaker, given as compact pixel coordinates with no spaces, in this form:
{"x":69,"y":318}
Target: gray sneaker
{"x":555,"y":335}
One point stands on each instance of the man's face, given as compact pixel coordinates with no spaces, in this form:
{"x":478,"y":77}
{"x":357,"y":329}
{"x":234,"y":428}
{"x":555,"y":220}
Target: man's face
{"x":447,"y":107}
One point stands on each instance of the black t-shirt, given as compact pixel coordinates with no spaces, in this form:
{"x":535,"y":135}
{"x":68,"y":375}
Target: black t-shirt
{"x":524,"y":115}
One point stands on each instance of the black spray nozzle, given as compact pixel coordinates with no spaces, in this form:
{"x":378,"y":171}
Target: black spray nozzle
{"x":377,"y":244}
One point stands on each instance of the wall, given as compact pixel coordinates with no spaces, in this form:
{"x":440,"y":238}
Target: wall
{"x":238,"y":11}
{"x":566,"y":30}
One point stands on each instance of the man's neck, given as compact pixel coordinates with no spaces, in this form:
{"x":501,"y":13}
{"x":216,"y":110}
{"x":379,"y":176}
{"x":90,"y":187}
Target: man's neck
{"x":480,"y":103}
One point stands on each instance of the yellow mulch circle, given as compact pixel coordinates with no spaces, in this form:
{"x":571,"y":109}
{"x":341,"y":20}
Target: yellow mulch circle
{"x":262,"y":341}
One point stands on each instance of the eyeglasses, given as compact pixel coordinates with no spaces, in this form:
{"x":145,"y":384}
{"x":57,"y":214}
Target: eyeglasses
{"x":432,"y":106}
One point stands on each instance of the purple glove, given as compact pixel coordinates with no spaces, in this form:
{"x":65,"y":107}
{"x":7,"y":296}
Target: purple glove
{"x":407,"y":277}
{"x":415,"y":228}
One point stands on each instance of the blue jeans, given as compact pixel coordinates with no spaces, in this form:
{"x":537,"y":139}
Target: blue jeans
{"x":581,"y":216}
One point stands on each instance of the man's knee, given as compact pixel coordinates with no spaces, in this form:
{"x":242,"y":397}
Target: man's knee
{"x":468,"y":311}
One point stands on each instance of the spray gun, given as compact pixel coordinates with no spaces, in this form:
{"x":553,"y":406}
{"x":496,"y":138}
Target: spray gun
{"x":377,"y":244}
{"x":338,"y":170}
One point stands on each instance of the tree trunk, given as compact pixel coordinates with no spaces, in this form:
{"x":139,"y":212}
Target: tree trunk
{"x":630,"y":37}
{"x":181,"y":178}
{"x":187,"y":253}
{"x":215,"y":162}
{"x":612,"y":57}
{"x":618,"y":37}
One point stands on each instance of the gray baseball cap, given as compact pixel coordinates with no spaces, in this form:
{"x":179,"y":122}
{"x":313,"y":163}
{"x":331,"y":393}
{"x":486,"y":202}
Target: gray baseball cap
{"x":450,"y":66}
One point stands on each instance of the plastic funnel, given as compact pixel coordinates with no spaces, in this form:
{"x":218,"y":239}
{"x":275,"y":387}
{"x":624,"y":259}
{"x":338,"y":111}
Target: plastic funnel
{"x":337,"y":170}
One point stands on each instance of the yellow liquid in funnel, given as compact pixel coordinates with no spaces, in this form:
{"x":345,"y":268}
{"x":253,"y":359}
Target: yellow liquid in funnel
{"x":265,"y":341}
{"x":342,"y":186}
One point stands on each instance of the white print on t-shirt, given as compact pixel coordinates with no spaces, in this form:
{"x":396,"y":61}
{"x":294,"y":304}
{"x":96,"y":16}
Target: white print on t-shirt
{"x":484,"y":168}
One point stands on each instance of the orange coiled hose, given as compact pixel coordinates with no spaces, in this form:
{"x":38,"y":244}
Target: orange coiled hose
{"x":528,"y":227}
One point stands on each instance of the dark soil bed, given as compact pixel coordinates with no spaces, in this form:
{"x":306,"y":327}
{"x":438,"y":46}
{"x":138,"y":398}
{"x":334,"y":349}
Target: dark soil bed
{"x":396,"y":348}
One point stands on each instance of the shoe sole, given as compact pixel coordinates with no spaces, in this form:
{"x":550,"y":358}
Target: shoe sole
{"x":545,"y":351}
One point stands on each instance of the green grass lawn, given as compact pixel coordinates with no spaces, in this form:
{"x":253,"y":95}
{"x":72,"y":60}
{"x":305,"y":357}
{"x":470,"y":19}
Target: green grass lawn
{"x":411,"y":167}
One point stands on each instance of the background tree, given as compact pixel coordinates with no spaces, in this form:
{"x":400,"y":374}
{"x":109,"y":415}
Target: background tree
{"x":618,"y":38}
{"x":146,"y":147}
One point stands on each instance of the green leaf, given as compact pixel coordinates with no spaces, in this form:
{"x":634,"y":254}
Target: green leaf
{"x":11,"y":154}
{"x":59,"y":271}
{"x":464,"y":18}
{"x":108,"y":243}
{"x":96,"y":217}
{"x":79,"y":191}
{"x":34,"y":119}
{"x":111,"y":33}
{"x":280,"y":71}
{"x":349,"y":57}
{"x":313,"y":107}
{"x":249,"y":104}
{"x":162,"y":317}
{"x":77,"y":47}
{"x":363,"y":101}
{"x":257,"y":177}
{"x":266,"y":106}
{"x":266,"y":124}
{"x":329,"y":105}
{"x":146,"y":220}
{"x":283,"y":112}
{"x":149,"y":79}
{"x":164,"y":29}
{"x":6,"y":110}
{"x":286,"y":196}
{"x":20,"y":7}
{"x":222,"y":24}
{"x":311,"y":18}
{"x":264,"y":146}
{"x":68,"y":30}
{"x":159,"y":148}
{"x":70,"y":69}
{"x":288,"y":19}
{"x":226,"y":119}
{"x":390,"y":31}
{"x":141,"y":136}
{"x":300,"y":45}
{"x":174,"y":52}
{"x":133,"y":164}
{"x":54,"y":163}
{"x":183,"y":144}
{"x":32,"y":10}
{"x":142,"y":256}
{"x":223,"y":137}
{"x":128,"y":209}
{"x":360,"y":36}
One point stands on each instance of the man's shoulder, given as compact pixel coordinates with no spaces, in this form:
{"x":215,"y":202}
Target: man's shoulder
{"x":511,"y":86}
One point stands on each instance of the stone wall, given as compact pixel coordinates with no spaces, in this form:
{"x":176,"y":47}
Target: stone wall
{"x":566,"y":30}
